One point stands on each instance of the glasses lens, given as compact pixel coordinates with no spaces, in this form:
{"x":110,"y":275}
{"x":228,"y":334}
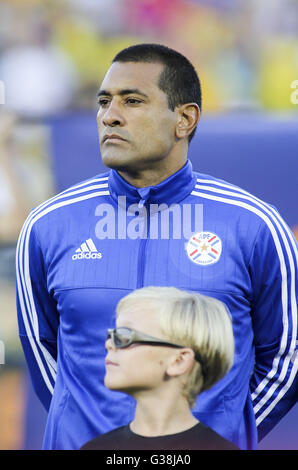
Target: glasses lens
{"x":122,"y":337}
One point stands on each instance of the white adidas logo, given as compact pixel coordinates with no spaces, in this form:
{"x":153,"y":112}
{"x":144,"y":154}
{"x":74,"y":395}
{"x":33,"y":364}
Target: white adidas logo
{"x":87,"y":250}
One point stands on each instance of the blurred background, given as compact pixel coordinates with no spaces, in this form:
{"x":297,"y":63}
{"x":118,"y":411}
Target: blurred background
{"x":53,"y":56}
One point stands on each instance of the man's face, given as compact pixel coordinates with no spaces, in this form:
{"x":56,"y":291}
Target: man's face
{"x":134,"y":110}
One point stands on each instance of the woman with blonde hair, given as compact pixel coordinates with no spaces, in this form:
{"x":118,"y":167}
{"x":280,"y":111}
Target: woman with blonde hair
{"x":168,"y":347}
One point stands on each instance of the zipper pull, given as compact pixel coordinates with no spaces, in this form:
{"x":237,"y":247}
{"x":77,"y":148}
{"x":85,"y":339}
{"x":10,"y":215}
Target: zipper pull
{"x":144,"y":194}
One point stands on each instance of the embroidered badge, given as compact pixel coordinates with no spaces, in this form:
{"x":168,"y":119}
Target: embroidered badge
{"x":204,"y":248}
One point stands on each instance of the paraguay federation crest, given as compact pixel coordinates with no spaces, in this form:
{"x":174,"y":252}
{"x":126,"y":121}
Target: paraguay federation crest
{"x":204,"y":248}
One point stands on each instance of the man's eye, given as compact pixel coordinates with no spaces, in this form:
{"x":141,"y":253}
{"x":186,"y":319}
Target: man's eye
{"x":103,"y":102}
{"x":133,"y":101}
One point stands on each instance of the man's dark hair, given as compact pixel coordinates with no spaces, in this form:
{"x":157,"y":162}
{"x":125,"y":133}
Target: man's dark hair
{"x":178,"y":79}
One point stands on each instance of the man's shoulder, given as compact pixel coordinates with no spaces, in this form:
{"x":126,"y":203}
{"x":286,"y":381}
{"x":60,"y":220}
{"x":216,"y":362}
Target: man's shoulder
{"x":99,"y":181}
{"x":83,"y":190}
{"x":66,"y":203}
{"x":228,"y":194}
{"x":213,"y":181}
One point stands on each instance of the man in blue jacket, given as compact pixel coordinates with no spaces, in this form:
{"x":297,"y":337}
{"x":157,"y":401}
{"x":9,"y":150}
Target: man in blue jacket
{"x":151,"y":220}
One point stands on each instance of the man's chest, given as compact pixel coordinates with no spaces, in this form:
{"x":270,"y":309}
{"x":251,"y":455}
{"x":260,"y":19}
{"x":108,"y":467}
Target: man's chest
{"x":213,"y":259}
{"x":87,"y":274}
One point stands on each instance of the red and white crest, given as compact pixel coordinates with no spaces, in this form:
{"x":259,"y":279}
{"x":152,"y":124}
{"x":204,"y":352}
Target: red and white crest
{"x":204,"y":248}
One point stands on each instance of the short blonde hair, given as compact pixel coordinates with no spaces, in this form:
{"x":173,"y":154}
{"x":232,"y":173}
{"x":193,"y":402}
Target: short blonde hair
{"x":196,"y":321}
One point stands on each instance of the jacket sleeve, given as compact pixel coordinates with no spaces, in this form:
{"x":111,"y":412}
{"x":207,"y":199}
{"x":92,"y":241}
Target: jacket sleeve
{"x":273,"y":270}
{"x":37,"y":313}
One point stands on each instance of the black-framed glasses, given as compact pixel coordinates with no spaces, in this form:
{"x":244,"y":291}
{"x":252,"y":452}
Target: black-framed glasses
{"x":123,"y":337}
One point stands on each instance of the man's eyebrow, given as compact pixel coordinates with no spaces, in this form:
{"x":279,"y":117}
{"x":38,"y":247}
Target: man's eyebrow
{"x":125,"y":91}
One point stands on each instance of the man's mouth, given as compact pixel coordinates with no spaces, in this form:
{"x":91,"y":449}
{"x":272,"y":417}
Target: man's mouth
{"x":113,"y":138}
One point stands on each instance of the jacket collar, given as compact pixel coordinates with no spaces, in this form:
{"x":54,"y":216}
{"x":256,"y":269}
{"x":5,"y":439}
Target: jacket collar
{"x":172,"y":190}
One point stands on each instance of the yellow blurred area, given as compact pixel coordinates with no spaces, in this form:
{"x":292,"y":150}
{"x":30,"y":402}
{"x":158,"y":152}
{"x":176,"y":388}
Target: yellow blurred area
{"x":11,"y":410}
{"x":24,"y":3}
{"x":295,"y":231}
{"x":91,"y":53}
{"x":246,"y":53}
{"x":278,"y":69}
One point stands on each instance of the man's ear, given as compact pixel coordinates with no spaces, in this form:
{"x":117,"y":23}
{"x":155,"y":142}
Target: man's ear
{"x":188,"y":118}
{"x":181,"y":362}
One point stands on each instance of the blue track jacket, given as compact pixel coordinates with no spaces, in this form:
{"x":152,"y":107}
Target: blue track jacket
{"x":81,"y":251}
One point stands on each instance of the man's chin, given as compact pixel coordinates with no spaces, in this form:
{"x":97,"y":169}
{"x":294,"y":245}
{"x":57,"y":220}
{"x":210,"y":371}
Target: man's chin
{"x":116,"y":162}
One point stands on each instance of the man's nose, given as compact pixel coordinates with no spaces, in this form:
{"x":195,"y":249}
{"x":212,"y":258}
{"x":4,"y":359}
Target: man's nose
{"x":112,"y":115}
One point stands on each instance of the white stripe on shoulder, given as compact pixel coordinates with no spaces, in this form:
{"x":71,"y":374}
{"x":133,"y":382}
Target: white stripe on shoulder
{"x":77,"y":189}
{"x":241,"y":193}
{"x":24,"y":285}
{"x":281,"y":230}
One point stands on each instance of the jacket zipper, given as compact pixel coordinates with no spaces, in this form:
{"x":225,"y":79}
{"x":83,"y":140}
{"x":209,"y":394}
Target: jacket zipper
{"x":142,"y":254}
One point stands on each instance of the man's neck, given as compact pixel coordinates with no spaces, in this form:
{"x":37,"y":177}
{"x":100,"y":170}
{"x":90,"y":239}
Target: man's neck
{"x":155,"y":173}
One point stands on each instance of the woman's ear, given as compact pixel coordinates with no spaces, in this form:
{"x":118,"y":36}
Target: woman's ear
{"x":188,"y":118}
{"x":181,"y":362}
